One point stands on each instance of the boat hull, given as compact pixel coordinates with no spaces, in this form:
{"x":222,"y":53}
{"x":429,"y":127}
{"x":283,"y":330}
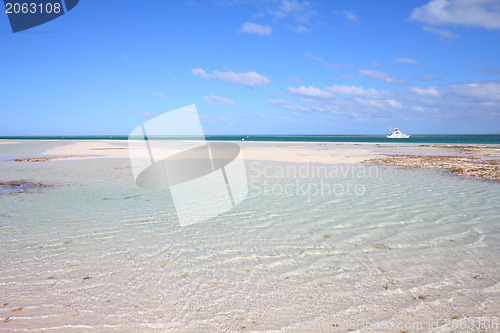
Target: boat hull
{"x":398,"y":136}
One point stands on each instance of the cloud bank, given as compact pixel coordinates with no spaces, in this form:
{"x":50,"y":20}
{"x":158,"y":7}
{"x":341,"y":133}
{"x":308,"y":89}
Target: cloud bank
{"x":478,"y":13}
{"x":248,"y":79}
{"x":257,"y":29}
{"x":218,"y":99}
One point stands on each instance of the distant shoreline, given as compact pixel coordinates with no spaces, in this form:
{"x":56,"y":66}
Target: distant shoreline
{"x":351,"y":138}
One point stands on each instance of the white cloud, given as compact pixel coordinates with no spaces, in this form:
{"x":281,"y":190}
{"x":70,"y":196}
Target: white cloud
{"x":144,"y":113}
{"x":158,"y":95}
{"x":394,"y":104}
{"x":249,"y":79}
{"x":222,"y":118}
{"x":254,"y":28}
{"x":479,"y":91}
{"x":472,"y":101}
{"x":218,"y":99}
{"x":426,"y":78}
{"x":351,"y":16}
{"x":357,"y":91}
{"x":309,"y":92}
{"x":377,"y":104}
{"x":283,"y":118}
{"x":489,"y":70}
{"x":200,"y":72}
{"x":440,"y":32}
{"x":300,"y":10}
{"x":348,"y":77}
{"x":320,"y":60}
{"x":299,"y":28}
{"x":340,"y":100}
{"x":466,"y":101}
{"x":405,"y":60}
{"x":376,"y":75}
{"x":479,"y":13}
{"x":287,"y":105}
{"x":426,"y":91}
{"x":331,"y":93}
{"x":293,"y":79}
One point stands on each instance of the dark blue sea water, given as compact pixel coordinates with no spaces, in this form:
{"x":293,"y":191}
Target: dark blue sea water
{"x":456,"y":139}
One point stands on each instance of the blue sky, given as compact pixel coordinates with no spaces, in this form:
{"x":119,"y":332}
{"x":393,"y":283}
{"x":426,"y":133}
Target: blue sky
{"x":257,"y":67}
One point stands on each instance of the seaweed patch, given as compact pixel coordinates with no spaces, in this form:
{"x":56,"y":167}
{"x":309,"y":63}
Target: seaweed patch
{"x":19,"y":187}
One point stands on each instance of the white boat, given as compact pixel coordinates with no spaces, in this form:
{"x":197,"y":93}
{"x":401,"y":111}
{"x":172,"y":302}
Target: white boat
{"x":396,"y":134}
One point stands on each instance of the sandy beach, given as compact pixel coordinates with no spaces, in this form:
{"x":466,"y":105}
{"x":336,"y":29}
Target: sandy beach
{"x":262,"y":151}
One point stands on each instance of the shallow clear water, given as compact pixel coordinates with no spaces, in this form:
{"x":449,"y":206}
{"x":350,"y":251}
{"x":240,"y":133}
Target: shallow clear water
{"x":310,"y":247}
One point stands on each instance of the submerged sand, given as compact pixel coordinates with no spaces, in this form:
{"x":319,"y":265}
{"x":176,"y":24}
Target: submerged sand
{"x":97,"y":253}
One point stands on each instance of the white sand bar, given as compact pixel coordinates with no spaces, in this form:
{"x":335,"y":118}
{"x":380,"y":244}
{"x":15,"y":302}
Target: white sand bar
{"x":300,"y":152}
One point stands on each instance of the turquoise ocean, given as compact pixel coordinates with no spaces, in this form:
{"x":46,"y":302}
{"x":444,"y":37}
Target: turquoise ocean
{"x":455,"y":138}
